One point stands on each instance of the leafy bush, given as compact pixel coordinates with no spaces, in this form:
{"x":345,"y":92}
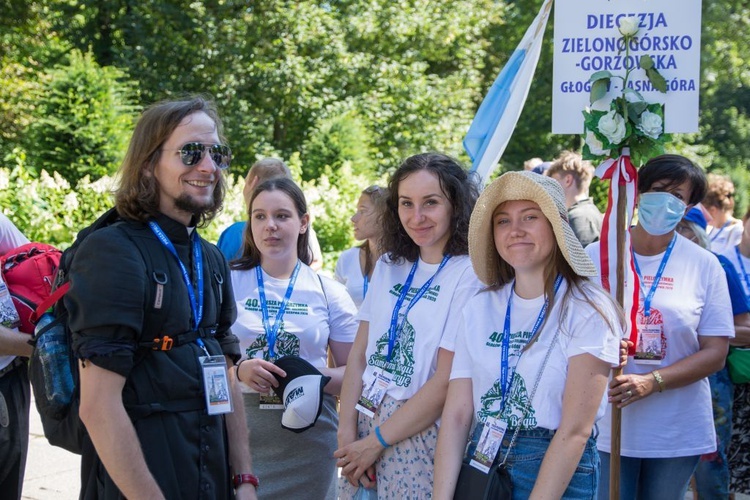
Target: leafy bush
{"x":332,"y":199}
{"x":82,"y":120}
{"x":46,"y":209}
{"x":342,"y":138}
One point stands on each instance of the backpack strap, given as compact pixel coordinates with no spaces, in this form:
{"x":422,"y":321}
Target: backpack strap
{"x":157,"y":301}
{"x":217,"y":266}
{"x":49,"y":302}
{"x":176,"y":405}
{"x":167,"y":342}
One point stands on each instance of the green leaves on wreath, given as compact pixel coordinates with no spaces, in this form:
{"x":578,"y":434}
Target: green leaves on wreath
{"x":599,"y":85}
{"x":653,"y":75}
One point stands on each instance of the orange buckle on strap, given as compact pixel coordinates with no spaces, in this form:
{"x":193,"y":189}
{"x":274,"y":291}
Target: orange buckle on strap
{"x":163,"y":343}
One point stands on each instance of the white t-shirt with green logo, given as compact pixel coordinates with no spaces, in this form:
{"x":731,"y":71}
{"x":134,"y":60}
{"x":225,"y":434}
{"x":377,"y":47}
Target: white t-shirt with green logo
{"x":479,"y":348}
{"x":414,"y":357}
{"x":312,"y":317}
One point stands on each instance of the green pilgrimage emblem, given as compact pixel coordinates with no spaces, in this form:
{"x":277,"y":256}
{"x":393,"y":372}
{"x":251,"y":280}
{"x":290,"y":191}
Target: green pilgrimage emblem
{"x":401,"y":366}
{"x":517,"y":403}
{"x":287,"y":344}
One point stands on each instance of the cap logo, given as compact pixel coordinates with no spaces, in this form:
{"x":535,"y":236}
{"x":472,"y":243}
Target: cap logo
{"x":295,"y":394}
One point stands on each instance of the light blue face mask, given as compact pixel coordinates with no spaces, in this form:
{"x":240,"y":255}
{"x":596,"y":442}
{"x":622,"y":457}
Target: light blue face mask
{"x":660,"y":212}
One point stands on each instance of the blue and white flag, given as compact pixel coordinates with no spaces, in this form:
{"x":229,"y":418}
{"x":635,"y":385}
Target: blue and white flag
{"x":498,"y":114}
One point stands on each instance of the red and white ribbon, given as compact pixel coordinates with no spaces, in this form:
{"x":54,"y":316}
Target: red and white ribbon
{"x":620,"y":171}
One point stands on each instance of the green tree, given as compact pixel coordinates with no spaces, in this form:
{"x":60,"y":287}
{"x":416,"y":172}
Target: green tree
{"x":422,"y":70}
{"x":724,"y":136}
{"x":337,"y":140}
{"x":83,"y":119}
{"x":27,"y":45}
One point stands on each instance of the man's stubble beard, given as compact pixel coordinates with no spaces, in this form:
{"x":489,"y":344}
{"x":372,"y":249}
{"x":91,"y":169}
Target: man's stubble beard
{"x":187,"y":203}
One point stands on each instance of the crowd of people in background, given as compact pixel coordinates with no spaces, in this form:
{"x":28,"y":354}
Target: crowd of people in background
{"x":468,"y":329}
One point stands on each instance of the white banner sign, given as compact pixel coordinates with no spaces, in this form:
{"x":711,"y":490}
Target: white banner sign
{"x":587,"y":40}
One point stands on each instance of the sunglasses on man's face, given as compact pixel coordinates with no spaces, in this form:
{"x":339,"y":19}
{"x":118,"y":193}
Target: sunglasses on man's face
{"x":192,"y":153}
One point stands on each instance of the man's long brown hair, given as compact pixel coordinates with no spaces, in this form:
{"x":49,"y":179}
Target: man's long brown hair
{"x":137,"y":196}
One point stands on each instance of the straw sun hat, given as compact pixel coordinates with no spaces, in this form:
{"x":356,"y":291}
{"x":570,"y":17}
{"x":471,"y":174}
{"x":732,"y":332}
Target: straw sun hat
{"x":545,"y":192}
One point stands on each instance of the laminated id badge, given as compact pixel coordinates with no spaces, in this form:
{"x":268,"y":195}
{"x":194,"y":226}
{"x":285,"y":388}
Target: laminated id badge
{"x":489,"y":444}
{"x":216,"y":384}
{"x":373,"y":394}
{"x":649,"y":347}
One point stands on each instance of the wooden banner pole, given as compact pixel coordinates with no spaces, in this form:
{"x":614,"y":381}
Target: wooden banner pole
{"x":614,"y":456}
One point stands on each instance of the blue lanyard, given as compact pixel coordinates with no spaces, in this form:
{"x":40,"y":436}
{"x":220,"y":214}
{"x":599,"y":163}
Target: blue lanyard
{"x":395,"y":328}
{"x":195,"y":305}
{"x":742,"y":267}
{"x":367,"y":282}
{"x":657,"y":278}
{"x":272,"y":330}
{"x":714,"y":236}
{"x":506,"y":380}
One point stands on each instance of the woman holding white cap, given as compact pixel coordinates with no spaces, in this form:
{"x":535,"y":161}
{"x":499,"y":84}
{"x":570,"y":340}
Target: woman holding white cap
{"x":285,"y":309}
{"x":533,"y":351}
{"x":683,"y":323}
{"x":397,"y":372}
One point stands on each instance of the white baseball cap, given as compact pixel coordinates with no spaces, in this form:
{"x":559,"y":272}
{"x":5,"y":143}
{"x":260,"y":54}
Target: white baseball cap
{"x":301,"y":391}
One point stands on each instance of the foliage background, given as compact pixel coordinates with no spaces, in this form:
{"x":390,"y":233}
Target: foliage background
{"x":342,"y":90}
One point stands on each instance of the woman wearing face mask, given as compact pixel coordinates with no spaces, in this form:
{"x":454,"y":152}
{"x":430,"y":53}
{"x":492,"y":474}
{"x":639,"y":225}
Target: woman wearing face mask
{"x":355,"y":265}
{"x":684,"y":323}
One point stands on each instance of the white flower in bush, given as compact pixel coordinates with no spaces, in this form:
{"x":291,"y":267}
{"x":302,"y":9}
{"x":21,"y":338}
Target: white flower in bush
{"x":651,"y":124}
{"x":70,"y":202}
{"x":612,"y":125}
{"x":628,"y":26}
{"x":595,"y":145}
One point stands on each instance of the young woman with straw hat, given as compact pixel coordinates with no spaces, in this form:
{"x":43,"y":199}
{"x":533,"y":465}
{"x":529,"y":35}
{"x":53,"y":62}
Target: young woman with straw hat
{"x":397,"y":373}
{"x":535,"y":369}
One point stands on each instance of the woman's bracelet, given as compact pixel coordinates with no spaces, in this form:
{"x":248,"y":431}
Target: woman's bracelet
{"x":380,"y":438}
{"x":237,"y":368}
{"x":659,"y":380}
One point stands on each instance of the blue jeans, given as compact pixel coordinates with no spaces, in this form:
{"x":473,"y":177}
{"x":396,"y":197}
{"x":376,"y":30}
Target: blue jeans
{"x":525,"y":460}
{"x":712,"y":474}
{"x":649,"y":478}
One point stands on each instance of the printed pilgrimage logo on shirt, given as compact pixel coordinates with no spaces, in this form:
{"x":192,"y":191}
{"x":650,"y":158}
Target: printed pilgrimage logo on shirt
{"x":517,"y":341}
{"x":287,"y":344}
{"x":431,"y":294}
{"x":298,"y":308}
{"x":401,"y":366}
{"x":665,"y":283}
{"x":517,"y":403}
